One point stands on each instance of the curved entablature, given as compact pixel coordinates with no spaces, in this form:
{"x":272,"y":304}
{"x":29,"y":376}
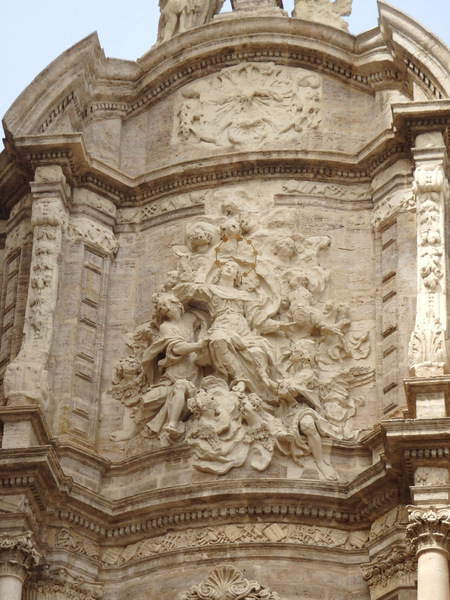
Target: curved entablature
{"x":80,"y":76}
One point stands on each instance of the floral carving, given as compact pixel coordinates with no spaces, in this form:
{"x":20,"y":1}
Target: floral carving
{"x":253,"y":103}
{"x":228,"y":583}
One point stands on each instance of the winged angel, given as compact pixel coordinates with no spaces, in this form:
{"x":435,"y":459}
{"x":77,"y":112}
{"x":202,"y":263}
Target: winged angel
{"x":323,"y":11}
{"x":178,"y":16}
{"x":247,"y":356}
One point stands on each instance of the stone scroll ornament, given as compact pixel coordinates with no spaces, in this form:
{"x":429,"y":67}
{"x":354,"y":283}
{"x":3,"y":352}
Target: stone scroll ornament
{"x":178,"y":16}
{"x":248,"y":357}
{"x":325,"y":12}
{"x":228,"y":583}
{"x":247,"y":105}
{"x":427,"y":349}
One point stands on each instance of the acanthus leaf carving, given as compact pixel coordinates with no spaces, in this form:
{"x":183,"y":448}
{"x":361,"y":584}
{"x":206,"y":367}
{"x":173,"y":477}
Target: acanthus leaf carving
{"x":397,"y":564}
{"x":18,"y":556}
{"x":55,"y":583}
{"x":429,"y":528}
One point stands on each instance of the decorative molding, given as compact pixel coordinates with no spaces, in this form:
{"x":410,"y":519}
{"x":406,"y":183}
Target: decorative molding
{"x":390,"y":207}
{"x":236,"y":534}
{"x":227,"y":582}
{"x":429,"y":528}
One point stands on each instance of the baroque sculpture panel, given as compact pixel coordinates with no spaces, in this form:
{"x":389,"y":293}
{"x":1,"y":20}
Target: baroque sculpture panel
{"x":248,"y":356}
{"x":249,"y":105}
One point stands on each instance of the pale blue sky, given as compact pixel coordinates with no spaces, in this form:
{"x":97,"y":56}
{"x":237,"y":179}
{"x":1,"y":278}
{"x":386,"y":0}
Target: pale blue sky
{"x":35,"y":32}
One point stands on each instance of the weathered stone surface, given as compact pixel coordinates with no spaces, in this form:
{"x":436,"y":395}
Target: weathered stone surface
{"x":224,"y":313}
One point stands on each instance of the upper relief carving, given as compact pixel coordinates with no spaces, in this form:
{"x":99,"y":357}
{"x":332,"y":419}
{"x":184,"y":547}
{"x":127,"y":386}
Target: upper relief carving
{"x":324,"y":11}
{"x":178,"y":16}
{"x":248,"y":356}
{"x":249,"y":105}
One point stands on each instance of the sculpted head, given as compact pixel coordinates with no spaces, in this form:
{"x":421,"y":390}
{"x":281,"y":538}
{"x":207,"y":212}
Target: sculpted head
{"x":168,"y":306}
{"x":231,"y":271}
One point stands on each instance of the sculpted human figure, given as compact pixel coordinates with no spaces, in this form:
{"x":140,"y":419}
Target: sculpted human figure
{"x":300,"y":395}
{"x":236,"y":351}
{"x":324,"y":11}
{"x":173,"y":378}
{"x":178,"y":16}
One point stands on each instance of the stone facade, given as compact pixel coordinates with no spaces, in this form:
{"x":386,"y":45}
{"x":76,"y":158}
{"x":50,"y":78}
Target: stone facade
{"x":224,"y":313}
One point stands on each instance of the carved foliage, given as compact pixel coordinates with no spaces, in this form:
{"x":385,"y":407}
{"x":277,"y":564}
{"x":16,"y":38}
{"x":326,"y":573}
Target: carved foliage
{"x":427,"y":350}
{"x":60,"y":585}
{"x":17,"y":555}
{"x":250,"y":104}
{"x":92,"y":233}
{"x":228,"y":583}
{"x":429,"y":528}
{"x":397,"y":563}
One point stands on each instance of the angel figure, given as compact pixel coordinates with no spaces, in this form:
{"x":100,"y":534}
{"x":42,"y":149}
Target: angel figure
{"x":177,"y":16}
{"x":323,"y":11}
{"x":236,"y":351}
{"x":170,"y":367}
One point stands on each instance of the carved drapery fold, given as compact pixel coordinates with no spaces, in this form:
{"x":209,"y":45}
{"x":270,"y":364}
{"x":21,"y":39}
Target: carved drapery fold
{"x":427,"y":350}
{"x":26,"y":376}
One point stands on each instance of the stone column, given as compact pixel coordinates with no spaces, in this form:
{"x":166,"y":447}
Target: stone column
{"x":17,"y":559}
{"x":26,"y":376}
{"x":427,"y":349}
{"x":428,"y":530}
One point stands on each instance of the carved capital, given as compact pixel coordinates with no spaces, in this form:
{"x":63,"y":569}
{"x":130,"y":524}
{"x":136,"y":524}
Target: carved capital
{"x":429,"y":178}
{"x":228,"y":582}
{"x":48,"y":187}
{"x":17,"y":556}
{"x":398,"y":565}
{"x":61,"y":584}
{"x":429,"y":528}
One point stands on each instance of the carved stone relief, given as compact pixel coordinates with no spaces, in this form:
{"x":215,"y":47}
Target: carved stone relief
{"x":324,"y":11}
{"x":395,"y":567}
{"x":58,"y":584}
{"x":248,"y":357}
{"x":427,"y":348}
{"x":227,"y":582}
{"x":178,"y":16}
{"x":27,"y":374}
{"x":256,"y":533}
{"x":17,"y":555}
{"x":249,"y":105}
{"x":92,"y":233}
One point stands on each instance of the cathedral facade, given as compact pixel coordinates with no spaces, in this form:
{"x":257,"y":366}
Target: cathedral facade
{"x":224,"y":350}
